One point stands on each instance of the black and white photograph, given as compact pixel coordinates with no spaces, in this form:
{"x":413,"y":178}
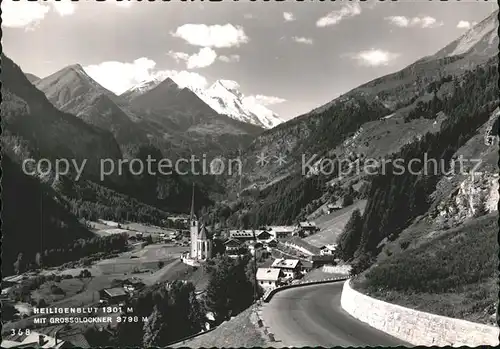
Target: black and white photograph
{"x":238,"y":173}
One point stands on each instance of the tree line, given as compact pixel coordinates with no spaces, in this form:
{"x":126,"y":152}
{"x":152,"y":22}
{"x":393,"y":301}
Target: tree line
{"x":395,"y":200}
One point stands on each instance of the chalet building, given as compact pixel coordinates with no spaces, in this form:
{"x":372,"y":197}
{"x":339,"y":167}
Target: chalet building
{"x":269,"y":278}
{"x":232,"y":246}
{"x":306,"y":228}
{"x":133,"y":285}
{"x":271,"y":244}
{"x":290,"y":267}
{"x":280,"y":232}
{"x":255,"y":247}
{"x":307,"y":266}
{"x":241,"y":235}
{"x":334,"y":207}
{"x":115,"y":295}
{"x":328,"y":250}
{"x":321,"y":260}
{"x":263,"y":236}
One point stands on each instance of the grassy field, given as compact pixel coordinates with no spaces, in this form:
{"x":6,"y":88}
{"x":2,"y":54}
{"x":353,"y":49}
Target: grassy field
{"x":131,"y":228}
{"x":452,"y":273}
{"x":141,"y":259}
{"x":331,"y":225}
{"x":78,"y":293}
{"x":70,"y":287}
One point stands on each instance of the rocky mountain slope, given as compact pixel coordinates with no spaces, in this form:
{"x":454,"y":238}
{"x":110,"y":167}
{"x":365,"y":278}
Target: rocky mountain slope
{"x":179,"y":115}
{"x":223,"y":97}
{"x":33,"y":125}
{"x":32,"y":77}
{"x":73,"y":91}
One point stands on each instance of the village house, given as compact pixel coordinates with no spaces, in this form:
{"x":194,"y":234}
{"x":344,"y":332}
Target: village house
{"x":241,"y":235}
{"x":306,"y":228}
{"x":263,"y":236}
{"x":133,"y":285}
{"x":334,"y":207}
{"x":255,"y":247}
{"x":115,"y":295}
{"x":307,"y":266}
{"x":328,"y":250}
{"x":269,"y":278}
{"x":232,"y":246}
{"x":290,"y":267}
{"x":281,"y":231}
{"x":270,"y":245}
{"x":321,"y":260}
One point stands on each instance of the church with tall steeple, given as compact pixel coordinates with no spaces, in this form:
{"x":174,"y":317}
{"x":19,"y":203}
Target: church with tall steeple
{"x":201,"y":246}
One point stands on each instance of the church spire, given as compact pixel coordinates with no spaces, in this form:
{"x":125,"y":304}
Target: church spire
{"x":192,"y":205}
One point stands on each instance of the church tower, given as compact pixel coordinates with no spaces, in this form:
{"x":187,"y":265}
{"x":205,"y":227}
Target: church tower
{"x":201,"y":245}
{"x":193,"y":226}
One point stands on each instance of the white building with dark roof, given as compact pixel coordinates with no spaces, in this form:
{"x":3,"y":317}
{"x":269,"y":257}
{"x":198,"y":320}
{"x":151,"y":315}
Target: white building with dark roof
{"x":242,"y":235}
{"x":281,"y":231}
{"x":290,"y":267}
{"x":328,"y":250}
{"x":232,"y":246}
{"x":269,"y":278}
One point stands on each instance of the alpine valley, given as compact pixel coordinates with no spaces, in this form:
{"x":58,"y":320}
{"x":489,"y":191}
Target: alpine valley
{"x":442,"y":106}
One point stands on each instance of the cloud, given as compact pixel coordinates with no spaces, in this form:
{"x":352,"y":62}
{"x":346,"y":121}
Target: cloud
{"x":248,"y":16}
{"x":22,"y":14}
{"x":374,"y":57}
{"x":212,"y":36}
{"x":120,"y":76}
{"x":263,"y":100}
{"x":28,"y":15}
{"x":230,"y":58}
{"x":421,"y":22}
{"x":334,"y":17}
{"x":302,"y":40}
{"x":465,"y":24}
{"x":288,"y":16}
{"x":178,"y":56}
{"x":205,"y":57}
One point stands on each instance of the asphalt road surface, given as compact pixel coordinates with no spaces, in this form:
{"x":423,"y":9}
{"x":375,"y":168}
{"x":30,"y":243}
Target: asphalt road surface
{"x":312,"y":316}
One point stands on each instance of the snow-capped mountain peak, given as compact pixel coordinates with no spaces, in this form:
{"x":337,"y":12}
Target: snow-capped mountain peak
{"x":224,"y":97}
{"x":224,"y":86}
{"x":144,"y":86}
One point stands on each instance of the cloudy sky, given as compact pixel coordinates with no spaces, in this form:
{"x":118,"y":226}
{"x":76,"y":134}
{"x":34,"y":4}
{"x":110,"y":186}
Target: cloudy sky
{"x":292,"y":56}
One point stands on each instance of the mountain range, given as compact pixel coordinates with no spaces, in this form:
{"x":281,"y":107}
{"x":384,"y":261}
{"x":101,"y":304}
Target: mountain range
{"x":160,"y":113}
{"x":445,"y":102}
{"x":223,"y":97}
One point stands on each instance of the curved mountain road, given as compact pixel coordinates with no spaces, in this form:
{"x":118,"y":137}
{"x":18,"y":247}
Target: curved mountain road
{"x":312,"y":316}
